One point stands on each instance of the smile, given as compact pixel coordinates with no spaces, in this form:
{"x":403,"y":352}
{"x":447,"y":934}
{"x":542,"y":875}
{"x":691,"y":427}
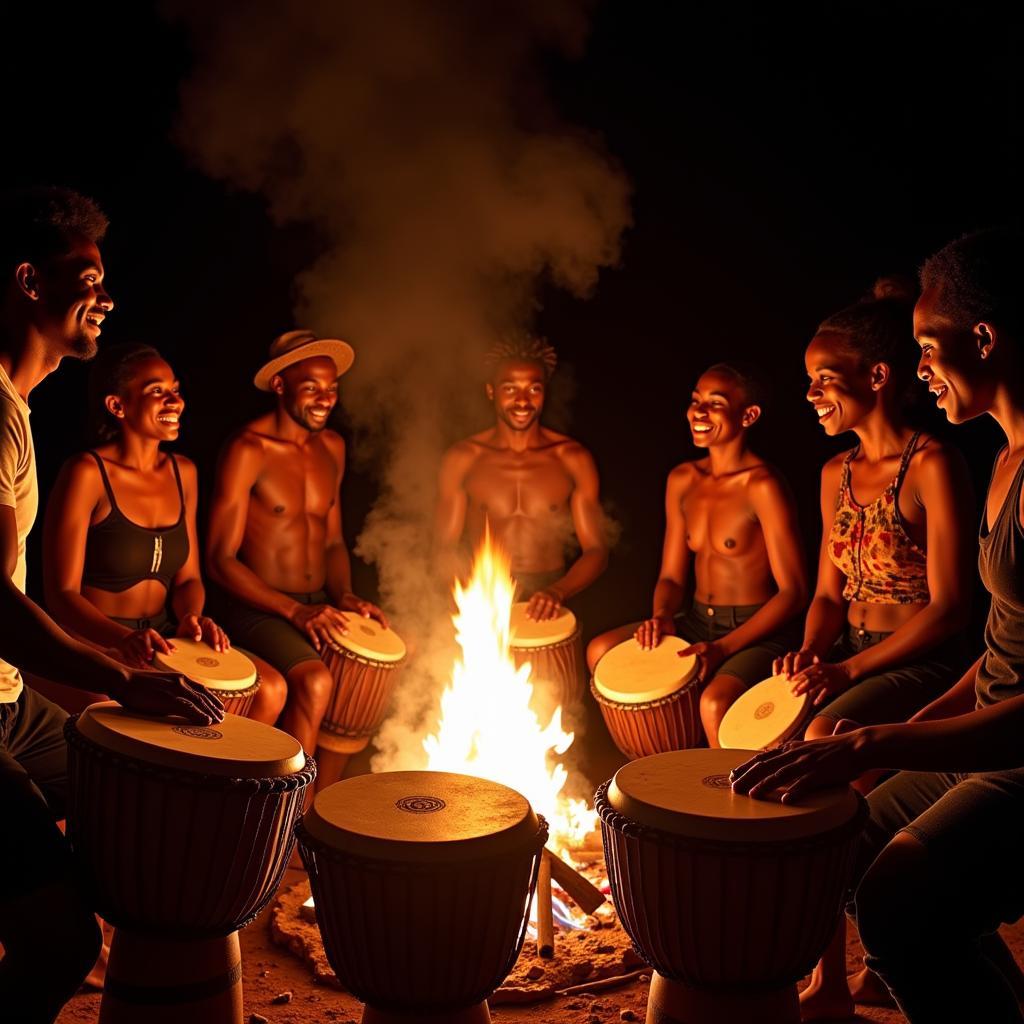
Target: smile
{"x":824,"y":411}
{"x":702,"y":428}
{"x":168,"y":417}
{"x":939,"y":392}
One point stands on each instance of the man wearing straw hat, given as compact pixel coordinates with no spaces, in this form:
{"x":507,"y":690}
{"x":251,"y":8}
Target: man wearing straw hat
{"x":275,"y":544}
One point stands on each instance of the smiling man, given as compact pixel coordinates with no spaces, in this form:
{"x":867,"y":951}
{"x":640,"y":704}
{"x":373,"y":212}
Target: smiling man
{"x":53,"y":303}
{"x":537,"y":490}
{"x":731,"y":522}
{"x":275,"y":543}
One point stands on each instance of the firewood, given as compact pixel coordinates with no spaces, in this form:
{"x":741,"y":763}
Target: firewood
{"x":545,"y":915}
{"x":580,"y":890}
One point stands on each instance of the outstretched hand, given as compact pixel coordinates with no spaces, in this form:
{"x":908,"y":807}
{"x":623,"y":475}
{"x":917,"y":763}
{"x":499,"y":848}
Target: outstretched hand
{"x":544,"y":604}
{"x":168,"y":694}
{"x":801,"y":766}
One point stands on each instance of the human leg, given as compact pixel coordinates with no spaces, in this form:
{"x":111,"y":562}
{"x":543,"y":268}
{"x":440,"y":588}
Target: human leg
{"x":716,"y":698}
{"x":604,"y":642}
{"x":269,"y":700}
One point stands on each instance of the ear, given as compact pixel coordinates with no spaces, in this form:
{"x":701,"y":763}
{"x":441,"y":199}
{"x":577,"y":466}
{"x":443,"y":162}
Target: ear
{"x":114,"y":406}
{"x":277,"y":384}
{"x":986,"y":338}
{"x":28,"y":280}
{"x":880,"y":375}
{"x":489,"y":391}
{"x":751,"y":415}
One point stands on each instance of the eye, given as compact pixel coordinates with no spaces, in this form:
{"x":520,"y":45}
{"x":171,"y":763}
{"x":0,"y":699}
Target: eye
{"x":825,"y":378}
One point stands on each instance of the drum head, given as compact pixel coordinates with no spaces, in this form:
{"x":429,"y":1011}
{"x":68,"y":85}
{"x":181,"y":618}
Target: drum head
{"x":223,"y":671}
{"x":421,"y":816}
{"x":369,"y":639}
{"x":687,"y":793}
{"x":236,"y":747}
{"x":527,"y":633}
{"x":628,"y":674}
{"x":765,"y":715}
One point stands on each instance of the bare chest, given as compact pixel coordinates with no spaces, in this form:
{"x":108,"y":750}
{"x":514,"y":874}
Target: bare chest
{"x":528,"y":484}
{"x":295,"y":484}
{"x":719,"y":518}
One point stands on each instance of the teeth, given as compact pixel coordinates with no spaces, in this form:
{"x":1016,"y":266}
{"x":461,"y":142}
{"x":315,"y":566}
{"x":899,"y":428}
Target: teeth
{"x":701,"y":428}
{"x":824,"y":410}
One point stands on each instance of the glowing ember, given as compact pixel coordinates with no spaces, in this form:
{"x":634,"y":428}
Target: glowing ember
{"x":487,"y":726}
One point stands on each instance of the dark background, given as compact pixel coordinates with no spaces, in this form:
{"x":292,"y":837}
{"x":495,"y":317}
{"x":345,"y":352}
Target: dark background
{"x":781,"y":158}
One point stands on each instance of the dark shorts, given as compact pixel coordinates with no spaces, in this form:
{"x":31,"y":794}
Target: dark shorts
{"x":268,"y":636}
{"x":161,"y":622}
{"x":898,"y":693}
{"x":711,"y":622}
{"x":33,"y":791}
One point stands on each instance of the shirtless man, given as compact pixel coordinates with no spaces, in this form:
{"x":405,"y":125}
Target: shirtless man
{"x":534,"y":488}
{"x":734,"y":514}
{"x":275,"y":543}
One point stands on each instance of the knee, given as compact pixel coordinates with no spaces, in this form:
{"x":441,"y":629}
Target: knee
{"x":820,"y":727}
{"x":892,"y":903}
{"x":275,"y":689}
{"x":595,"y":650}
{"x":313,"y":687}
{"x":63,"y":950}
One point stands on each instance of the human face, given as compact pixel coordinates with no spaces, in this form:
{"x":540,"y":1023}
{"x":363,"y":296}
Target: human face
{"x":718,"y":410}
{"x":840,"y":385}
{"x":73,"y":301}
{"x":952,"y":363}
{"x":517,"y":393}
{"x":151,"y":403}
{"x":308,"y":391}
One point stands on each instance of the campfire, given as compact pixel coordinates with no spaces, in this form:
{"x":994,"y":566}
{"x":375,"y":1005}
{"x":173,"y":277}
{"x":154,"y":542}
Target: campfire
{"x":488,"y":729}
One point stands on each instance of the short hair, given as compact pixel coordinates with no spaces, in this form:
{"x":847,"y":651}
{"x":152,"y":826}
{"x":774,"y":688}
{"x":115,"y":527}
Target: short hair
{"x":37,"y":224}
{"x":750,"y":380}
{"x":524,"y":348}
{"x":109,"y":373}
{"x":879,"y":331}
{"x":978,"y":278}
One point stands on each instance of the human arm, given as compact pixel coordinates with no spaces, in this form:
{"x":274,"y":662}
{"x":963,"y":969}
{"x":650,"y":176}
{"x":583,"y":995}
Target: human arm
{"x":450,"y":510}
{"x":188,"y":596}
{"x":776,"y":512}
{"x":675,"y":563}
{"x":588,"y":523}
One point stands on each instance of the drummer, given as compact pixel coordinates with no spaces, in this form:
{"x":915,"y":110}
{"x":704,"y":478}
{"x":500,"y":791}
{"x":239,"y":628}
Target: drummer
{"x":938,"y":869}
{"x":536,"y":489}
{"x":732,"y":514}
{"x":275,"y":542}
{"x":113,"y":575}
{"x":53,"y":304}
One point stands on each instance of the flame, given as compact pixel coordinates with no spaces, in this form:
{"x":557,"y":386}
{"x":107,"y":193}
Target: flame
{"x":487,"y":726}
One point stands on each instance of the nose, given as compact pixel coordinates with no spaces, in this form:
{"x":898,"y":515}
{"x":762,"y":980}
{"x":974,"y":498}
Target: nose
{"x":813,"y":393}
{"x":924,"y":371}
{"x":103,"y":299}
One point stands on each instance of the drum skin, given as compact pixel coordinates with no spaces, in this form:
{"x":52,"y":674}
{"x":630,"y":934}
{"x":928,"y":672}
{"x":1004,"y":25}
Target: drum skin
{"x":657,"y":726}
{"x":180,"y":854}
{"x":556,"y":671}
{"x":423,"y":937}
{"x":359,"y":700}
{"x":729,"y":917}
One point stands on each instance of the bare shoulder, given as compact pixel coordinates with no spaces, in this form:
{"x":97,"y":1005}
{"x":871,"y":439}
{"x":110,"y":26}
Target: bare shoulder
{"x":462,"y":454}
{"x":575,"y":456}
{"x":682,"y":477}
{"x":82,"y":471}
{"x":334,"y":443}
{"x":766,"y":481}
{"x":833,"y":469}
{"x":246,"y":447}
{"x":935,"y":461}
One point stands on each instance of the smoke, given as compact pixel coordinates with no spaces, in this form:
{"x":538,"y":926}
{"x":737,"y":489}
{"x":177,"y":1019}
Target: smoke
{"x":446,"y":190}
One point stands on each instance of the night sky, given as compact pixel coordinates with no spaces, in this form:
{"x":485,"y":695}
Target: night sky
{"x":781,"y":157}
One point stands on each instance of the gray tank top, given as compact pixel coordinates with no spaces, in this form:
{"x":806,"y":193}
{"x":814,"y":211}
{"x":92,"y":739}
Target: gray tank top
{"x":1001,"y":566}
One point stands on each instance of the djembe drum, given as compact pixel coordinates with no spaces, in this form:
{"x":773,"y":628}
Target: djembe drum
{"x":184,"y":832}
{"x":555,"y":653}
{"x":230,"y":675}
{"x":649,"y":698}
{"x":730,"y":900}
{"x":765,"y":716}
{"x":365,"y":663}
{"x":422,"y":883}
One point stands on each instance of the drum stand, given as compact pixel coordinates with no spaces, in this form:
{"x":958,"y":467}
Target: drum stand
{"x":673,"y":1002}
{"x":332,"y":754}
{"x":166,"y":981}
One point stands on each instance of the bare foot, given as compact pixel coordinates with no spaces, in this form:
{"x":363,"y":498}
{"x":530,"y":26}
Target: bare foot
{"x":868,"y":989}
{"x":823,"y":1002}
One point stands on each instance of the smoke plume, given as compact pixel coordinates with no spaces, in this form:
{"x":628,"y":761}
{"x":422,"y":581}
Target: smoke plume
{"x":417,"y":138}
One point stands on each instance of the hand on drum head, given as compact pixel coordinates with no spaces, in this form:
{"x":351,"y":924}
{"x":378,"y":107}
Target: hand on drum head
{"x":822,"y":680}
{"x":135,"y":649}
{"x":322,"y":623}
{"x":368,"y":610}
{"x":789,"y":664}
{"x":800,"y":767}
{"x":203,"y":628}
{"x":545,"y":604}
{"x":168,"y":693}
{"x":709,"y":656}
{"x":649,"y":633}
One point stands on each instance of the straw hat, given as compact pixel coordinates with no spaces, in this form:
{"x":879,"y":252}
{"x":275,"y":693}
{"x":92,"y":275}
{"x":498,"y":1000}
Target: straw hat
{"x":294,"y":346}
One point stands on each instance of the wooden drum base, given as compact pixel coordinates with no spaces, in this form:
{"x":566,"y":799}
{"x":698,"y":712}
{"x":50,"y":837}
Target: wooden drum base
{"x":672,"y":1002}
{"x":166,"y":981}
{"x":478,"y":1014}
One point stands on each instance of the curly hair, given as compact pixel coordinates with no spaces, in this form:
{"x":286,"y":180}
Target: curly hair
{"x":109,"y":374}
{"x":978,"y":278}
{"x":37,"y":224}
{"x":525,"y":348}
{"x":879,"y":331}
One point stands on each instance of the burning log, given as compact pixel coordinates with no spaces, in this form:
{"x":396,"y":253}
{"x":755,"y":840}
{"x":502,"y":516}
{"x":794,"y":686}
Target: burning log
{"x":580,"y":890}
{"x":545,"y":914}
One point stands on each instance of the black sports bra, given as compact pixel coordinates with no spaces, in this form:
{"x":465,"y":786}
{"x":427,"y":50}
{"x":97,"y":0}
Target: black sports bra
{"x":120,"y":553}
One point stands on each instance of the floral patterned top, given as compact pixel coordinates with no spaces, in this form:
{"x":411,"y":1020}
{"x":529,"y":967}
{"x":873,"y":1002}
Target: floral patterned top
{"x":871,"y":547}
